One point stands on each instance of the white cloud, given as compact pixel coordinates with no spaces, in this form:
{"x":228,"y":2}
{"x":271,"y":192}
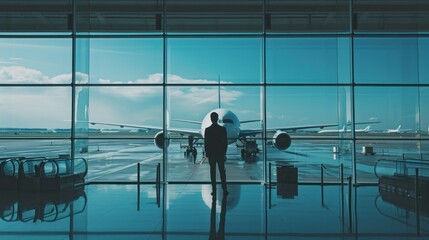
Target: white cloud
{"x":7,"y":62}
{"x":49,"y":107}
{"x":195,"y":95}
{"x":34,"y":108}
{"x":24,"y":75}
{"x":19,"y":74}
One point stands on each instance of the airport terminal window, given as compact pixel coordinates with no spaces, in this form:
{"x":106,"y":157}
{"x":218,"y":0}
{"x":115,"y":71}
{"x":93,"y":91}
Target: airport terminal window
{"x":128,"y":109}
{"x":393,"y":107}
{"x":424,"y":111}
{"x":35,"y":61}
{"x":314,"y":154}
{"x":126,"y":60}
{"x":308,"y":60}
{"x":386,"y":157}
{"x":129,"y":152}
{"x":123,"y":52}
{"x":241,"y":103}
{"x":33,"y":148}
{"x":423,"y":60}
{"x":386,"y":60}
{"x":208,"y":60}
{"x":303,"y":106}
{"x":43,"y":111}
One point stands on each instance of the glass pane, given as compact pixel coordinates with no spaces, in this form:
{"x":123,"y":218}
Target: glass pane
{"x":125,"y":60}
{"x":82,"y":60}
{"x":304,"y":160}
{"x":424,"y":112}
{"x":423,"y":60}
{"x":128,"y":217}
{"x":308,"y":110}
{"x":117,"y":16}
{"x":390,"y":16}
{"x":210,"y":60}
{"x":121,"y":112}
{"x":219,"y":216}
{"x":307,"y":16}
{"x":395,"y":108}
{"x":308,"y":60}
{"x":35,"y":16}
{"x":116,"y":160}
{"x":322,"y":208}
{"x":388,"y":158}
{"x":35,"y":112}
{"x":35,"y":61}
{"x":47,"y":148}
{"x":238,"y":105}
{"x":386,"y":60}
{"x":206,"y":16}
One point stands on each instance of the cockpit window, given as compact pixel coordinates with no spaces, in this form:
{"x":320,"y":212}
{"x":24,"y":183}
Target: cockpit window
{"x":226,"y":120}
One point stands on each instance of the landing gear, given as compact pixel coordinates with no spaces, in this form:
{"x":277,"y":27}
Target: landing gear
{"x":250,"y":147}
{"x":191,"y":150}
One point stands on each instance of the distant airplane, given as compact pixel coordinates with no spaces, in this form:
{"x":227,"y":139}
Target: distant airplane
{"x":104,"y":130}
{"x":398,"y":130}
{"x":367,"y":129}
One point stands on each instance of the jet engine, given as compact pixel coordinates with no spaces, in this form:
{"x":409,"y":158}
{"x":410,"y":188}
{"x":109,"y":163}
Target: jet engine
{"x":159,"y":140}
{"x":281,"y":140}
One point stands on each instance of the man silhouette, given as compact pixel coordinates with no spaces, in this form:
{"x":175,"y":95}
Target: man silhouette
{"x":216,"y":144}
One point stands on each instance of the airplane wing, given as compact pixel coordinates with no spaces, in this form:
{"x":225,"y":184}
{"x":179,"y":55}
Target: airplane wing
{"x":250,"y":132}
{"x":182,"y":131}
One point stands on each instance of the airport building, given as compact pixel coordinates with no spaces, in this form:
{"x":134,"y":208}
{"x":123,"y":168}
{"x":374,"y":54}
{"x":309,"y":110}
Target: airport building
{"x":326,"y":103}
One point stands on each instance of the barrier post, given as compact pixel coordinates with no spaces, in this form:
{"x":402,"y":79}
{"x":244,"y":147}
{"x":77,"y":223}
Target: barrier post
{"x":158,"y":184}
{"x":321,"y":185}
{"x":138,"y":186}
{"x":269,"y":186}
{"x":417,"y":202}
{"x":350,"y":203}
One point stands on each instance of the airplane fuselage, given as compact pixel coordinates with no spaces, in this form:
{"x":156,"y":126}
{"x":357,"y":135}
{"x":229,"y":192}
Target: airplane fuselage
{"x":227,"y":119}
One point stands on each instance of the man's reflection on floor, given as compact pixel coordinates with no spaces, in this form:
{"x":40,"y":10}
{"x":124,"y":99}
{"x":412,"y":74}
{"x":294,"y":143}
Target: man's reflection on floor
{"x":221,"y":231}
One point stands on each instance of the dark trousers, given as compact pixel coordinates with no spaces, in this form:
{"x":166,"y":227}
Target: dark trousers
{"x":220,"y":161}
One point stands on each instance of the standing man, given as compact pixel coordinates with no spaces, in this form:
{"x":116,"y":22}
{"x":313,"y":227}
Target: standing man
{"x":216,"y":144}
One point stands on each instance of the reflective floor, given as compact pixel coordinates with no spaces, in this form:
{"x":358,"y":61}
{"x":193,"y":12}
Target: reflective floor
{"x":188,"y":211}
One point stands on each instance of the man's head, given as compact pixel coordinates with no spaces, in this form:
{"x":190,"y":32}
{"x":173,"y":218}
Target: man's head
{"x":214,"y":117}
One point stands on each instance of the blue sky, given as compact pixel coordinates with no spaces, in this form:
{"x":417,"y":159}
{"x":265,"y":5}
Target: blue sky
{"x":200,"y":61}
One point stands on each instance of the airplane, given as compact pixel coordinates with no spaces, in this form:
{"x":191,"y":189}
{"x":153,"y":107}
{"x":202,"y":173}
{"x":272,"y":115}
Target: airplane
{"x":398,"y":130}
{"x":280,"y":136}
{"x":281,"y":139}
{"x":367,"y":129}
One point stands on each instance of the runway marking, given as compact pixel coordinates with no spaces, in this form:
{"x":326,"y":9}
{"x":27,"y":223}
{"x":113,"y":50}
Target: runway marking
{"x":104,"y":173}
